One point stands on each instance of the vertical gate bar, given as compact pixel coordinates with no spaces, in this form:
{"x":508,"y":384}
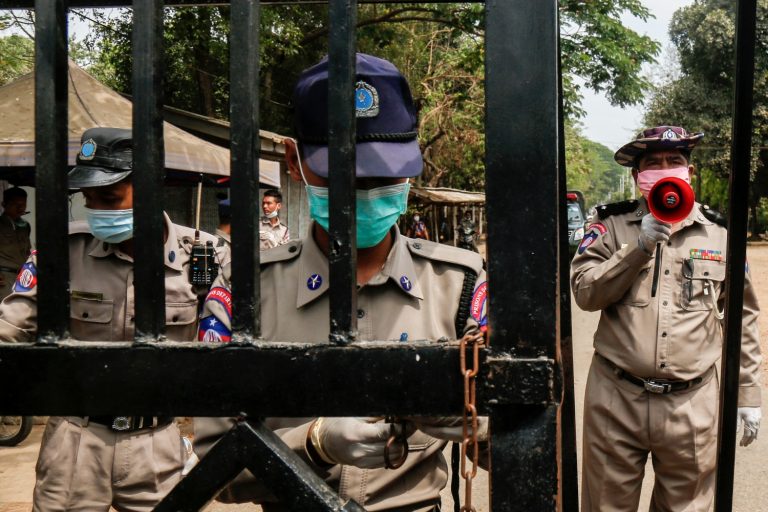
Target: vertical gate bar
{"x":149,"y":165}
{"x":521,"y":184}
{"x":244,"y":153}
{"x":342,"y":254}
{"x":741,"y":149}
{"x":51,"y":205}
{"x":569,"y":476}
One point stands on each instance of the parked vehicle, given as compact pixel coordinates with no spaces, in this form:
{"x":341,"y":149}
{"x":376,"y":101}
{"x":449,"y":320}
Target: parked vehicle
{"x":576,"y":219}
{"x":14,"y":429}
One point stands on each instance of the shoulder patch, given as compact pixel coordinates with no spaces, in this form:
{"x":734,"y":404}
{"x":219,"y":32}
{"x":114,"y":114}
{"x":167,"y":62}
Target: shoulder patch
{"x":594,"y":231}
{"x":606,"y":210}
{"x":714,"y":216}
{"x":285,"y":252}
{"x":446,"y":253}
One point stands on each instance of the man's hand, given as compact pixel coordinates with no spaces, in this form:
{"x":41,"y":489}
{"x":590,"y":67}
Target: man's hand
{"x":750,"y":418}
{"x":653,"y":231}
{"x":450,"y":428}
{"x":354,"y":441}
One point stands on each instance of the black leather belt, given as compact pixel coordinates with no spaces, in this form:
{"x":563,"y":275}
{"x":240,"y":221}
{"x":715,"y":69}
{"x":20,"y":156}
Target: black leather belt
{"x":652,"y":385}
{"x":131,"y":423}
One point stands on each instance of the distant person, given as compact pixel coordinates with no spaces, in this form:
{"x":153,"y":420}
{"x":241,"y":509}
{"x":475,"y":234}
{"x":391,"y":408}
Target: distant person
{"x":224,"y":230}
{"x":445,"y":232}
{"x":417,"y":228}
{"x":14,"y":237}
{"x":272,"y":232}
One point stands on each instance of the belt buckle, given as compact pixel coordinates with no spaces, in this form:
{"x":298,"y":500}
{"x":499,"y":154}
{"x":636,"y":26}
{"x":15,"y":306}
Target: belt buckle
{"x":121,"y":423}
{"x":658,"y":388}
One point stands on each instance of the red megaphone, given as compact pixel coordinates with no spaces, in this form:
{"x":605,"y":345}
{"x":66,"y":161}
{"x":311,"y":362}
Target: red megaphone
{"x":671,"y":200}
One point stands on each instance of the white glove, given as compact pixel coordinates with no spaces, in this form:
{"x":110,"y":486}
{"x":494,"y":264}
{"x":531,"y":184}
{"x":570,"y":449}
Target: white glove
{"x":750,"y":417}
{"x":353,"y":441}
{"x":450,"y":428}
{"x":653,"y":231}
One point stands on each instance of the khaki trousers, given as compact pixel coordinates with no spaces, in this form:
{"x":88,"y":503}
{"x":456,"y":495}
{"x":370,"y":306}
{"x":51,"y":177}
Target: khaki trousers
{"x":90,"y":468}
{"x":623,"y":424}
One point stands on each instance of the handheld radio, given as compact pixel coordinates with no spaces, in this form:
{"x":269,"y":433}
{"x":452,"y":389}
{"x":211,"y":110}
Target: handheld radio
{"x":203,"y":267}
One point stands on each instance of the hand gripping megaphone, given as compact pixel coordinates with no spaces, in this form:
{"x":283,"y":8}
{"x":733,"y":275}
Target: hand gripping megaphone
{"x":671,"y":200}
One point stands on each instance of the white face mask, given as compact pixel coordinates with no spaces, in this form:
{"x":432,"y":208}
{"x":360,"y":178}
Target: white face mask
{"x":416,"y":218}
{"x":271,"y":215}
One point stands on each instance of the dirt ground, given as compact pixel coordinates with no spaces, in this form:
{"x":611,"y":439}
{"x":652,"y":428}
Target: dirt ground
{"x":751,"y":478}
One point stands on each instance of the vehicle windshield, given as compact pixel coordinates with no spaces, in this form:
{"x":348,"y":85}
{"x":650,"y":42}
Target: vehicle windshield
{"x":574,"y":213}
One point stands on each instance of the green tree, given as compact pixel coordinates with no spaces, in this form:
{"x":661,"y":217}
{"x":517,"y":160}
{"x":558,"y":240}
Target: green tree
{"x":17,"y":57}
{"x":701,"y":97}
{"x":439,"y":47}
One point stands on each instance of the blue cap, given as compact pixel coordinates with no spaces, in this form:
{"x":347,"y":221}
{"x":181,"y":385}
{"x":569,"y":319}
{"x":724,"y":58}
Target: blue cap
{"x":387,"y":144}
{"x":224,"y":210}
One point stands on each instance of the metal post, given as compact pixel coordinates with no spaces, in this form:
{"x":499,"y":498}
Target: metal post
{"x":50,"y":169}
{"x":342,"y":252}
{"x":149,"y":165}
{"x":245,"y":149}
{"x":737,"y":248}
{"x":521,"y":84}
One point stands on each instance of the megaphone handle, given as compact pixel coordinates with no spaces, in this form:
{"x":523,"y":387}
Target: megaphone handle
{"x":656,"y":267}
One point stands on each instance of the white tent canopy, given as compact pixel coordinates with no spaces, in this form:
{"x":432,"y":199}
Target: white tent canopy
{"x":92,"y":104}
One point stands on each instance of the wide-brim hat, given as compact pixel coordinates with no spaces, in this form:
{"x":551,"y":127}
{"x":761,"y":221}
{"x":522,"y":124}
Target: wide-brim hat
{"x":105,"y":158}
{"x":656,"y":139}
{"x":387,"y":125}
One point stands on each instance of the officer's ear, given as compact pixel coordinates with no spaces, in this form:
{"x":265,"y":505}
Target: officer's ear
{"x":292,"y":158}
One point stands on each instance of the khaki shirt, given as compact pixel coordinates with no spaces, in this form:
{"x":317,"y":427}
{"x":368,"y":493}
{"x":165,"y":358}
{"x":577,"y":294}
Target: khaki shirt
{"x":224,"y":238}
{"x":14,"y":251}
{"x":415,"y":296}
{"x":102,"y":292}
{"x":676,"y":334}
{"x":271,"y":236}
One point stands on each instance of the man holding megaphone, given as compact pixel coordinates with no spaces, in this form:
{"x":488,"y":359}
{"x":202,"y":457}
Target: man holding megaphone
{"x":655,"y":268}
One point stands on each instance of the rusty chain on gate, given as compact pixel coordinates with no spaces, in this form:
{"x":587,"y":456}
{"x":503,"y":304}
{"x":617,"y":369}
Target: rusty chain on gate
{"x":474,"y":341}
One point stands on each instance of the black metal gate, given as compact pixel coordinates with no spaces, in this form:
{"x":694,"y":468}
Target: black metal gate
{"x":525,"y":383}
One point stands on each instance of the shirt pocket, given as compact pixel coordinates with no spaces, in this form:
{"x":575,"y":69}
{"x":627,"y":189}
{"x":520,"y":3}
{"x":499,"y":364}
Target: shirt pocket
{"x":181,"y":321}
{"x":639,"y":294}
{"x":91,"y":320}
{"x":702,"y":281}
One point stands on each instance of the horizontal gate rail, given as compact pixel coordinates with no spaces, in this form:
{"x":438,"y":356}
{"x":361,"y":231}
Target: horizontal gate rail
{"x":75,"y":4}
{"x":266,"y":379}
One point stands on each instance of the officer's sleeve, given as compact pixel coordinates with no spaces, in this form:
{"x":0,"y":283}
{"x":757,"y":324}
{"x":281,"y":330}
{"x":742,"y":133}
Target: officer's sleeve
{"x":600,"y":273}
{"x":216,"y":318}
{"x":18,"y":312}
{"x":751,"y":358}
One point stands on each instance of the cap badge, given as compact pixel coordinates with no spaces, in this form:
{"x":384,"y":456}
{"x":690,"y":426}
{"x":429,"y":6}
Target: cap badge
{"x":669,"y":135}
{"x":366,"y":100}
{"x":88,"y":150}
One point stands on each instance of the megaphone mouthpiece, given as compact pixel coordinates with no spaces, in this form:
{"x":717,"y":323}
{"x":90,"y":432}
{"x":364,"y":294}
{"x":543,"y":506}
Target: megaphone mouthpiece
{"x":671,"y":200}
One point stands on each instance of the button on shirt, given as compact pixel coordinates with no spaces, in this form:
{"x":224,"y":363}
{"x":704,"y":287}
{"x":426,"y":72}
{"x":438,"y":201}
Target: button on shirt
{"x":677,"y":333}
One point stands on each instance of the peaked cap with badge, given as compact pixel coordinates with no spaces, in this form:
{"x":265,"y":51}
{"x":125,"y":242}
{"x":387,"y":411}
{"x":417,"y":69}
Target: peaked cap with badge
{"x":658,"y":138}
{"x":387,"y":144}
{"x":105,"y":157}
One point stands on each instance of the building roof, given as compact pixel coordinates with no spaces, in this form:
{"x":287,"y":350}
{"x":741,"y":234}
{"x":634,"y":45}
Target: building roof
{"x":439,"y":195}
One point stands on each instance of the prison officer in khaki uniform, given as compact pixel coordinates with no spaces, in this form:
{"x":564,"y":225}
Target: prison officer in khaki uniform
{"x":653,"y":386}
{"x":14,"y":237}
{"x":272,"y":232}
{"x":408,"y":290}
{"x":92,"y":463}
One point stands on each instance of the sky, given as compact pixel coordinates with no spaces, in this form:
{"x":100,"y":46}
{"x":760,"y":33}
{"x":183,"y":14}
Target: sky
{"x":613,"y":126}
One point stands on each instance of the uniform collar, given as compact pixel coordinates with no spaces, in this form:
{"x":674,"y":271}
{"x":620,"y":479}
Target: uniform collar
{"x":172,"y":248}
{"x":226,"y":236}
{"x":398,"y":270}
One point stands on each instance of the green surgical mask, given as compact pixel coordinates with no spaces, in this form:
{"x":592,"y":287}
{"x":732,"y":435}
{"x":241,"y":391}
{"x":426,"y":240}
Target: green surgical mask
{"x":377,"y":210}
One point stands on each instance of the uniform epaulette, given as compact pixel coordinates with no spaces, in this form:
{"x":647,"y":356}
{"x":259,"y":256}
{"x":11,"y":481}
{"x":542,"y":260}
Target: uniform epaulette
{"x":284,"y":252}
{"x":606,"y":210}
{"x":79,"y":227}
{"x":714,"y":216}
{"x":446,"y":253}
